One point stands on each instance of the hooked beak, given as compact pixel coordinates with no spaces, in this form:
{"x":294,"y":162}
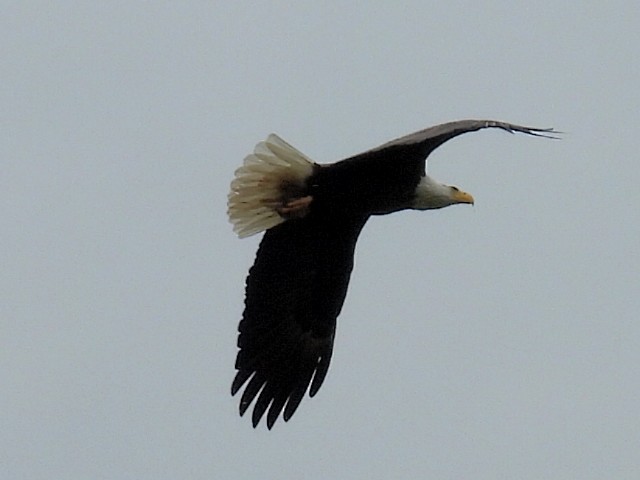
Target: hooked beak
{"x":462,"y":197}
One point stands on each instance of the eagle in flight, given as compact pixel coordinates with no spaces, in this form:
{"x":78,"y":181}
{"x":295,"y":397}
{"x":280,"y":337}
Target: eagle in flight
{"x":312,"y":215}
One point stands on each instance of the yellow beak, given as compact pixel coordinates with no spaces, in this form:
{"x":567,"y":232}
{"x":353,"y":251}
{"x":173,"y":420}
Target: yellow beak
{"x":463,"y":197}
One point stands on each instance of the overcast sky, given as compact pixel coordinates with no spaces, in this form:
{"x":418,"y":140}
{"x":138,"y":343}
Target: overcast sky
{"x":486,"y":342}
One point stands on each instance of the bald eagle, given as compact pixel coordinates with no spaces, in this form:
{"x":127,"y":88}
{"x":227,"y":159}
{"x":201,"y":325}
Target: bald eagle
{"x":312,"y":215}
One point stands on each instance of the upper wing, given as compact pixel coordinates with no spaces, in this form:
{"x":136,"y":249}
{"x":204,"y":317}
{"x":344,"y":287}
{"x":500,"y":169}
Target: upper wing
{"x":294,"y":293}
{"x":433,"y":137}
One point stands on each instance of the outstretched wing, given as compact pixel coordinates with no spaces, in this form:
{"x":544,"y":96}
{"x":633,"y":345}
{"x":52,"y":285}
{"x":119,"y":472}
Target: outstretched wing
{"x":433,"y":137}
{"x":294,"y":293}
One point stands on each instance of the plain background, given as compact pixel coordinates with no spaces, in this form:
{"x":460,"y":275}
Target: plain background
{"x":500,"y":341}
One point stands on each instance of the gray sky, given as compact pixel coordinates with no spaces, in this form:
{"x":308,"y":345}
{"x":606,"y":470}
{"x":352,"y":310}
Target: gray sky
{"x":500,"y":341}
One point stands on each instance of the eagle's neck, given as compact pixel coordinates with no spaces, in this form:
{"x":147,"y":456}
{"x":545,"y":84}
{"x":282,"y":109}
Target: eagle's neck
{"x":430,"y":194}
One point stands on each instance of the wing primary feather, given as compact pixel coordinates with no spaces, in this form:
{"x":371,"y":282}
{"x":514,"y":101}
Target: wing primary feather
{"x":297,"y":394}
{"x":320,"y":372}
{"x":535,"y":132}
{"x":265,"y":398}
{"x":241,"y":377}
{"x":251,"y":390}
{"x":276,"y":407}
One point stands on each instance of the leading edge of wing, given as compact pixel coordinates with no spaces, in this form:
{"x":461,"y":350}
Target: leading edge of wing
{"x":439,"y":134}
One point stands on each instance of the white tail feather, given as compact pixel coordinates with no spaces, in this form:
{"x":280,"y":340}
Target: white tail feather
{"x":257,"y":189}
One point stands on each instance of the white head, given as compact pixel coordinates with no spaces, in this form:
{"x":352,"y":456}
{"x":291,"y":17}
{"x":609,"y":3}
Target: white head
{"x":430,"y":195}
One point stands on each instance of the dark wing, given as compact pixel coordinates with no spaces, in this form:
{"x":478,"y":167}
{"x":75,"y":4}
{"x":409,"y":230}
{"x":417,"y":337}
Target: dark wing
{"x":294,"y":293}
{"x":433,"y":137}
